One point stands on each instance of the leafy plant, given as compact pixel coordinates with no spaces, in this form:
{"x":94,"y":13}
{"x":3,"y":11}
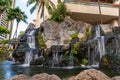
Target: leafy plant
{"x":5,"y":5}
{"x":21,"y":32}
{"x":75,"y":48}
{"x":4,"y":30}
{"x":4,"y":41}
{"x":84,"y":61}
{"x":41,"y":40}
{"x":58,"y":14}
{"x":74,"y":35}
{"x":88,"y":32}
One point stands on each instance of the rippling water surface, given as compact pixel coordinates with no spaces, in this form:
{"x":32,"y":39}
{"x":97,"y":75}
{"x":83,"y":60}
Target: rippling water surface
{"x":8,"y":70}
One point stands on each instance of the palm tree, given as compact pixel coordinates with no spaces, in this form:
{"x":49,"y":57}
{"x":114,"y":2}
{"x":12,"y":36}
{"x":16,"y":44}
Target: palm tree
{"x":40,"y":4}
{"x":18,"y":15}
{"x":5,"y":5}
{"x":3,"y":30}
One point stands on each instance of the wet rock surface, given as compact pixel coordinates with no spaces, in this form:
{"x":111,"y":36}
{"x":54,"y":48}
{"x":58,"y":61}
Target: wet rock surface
{"x":112,"y":43}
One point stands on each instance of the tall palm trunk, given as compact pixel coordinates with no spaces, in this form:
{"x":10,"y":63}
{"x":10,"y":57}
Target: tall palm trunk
{"x":15,"y":34}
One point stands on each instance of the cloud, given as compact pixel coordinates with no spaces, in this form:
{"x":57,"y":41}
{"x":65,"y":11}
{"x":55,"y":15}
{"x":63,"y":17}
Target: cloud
{"x":24,"y":1}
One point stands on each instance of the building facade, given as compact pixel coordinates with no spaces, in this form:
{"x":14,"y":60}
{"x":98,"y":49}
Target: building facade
{"x":9,"y":25}
{"x":88,"y":11}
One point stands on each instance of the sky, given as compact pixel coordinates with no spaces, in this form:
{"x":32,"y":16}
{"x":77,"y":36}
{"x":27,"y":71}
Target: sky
{"x":23,"y":6}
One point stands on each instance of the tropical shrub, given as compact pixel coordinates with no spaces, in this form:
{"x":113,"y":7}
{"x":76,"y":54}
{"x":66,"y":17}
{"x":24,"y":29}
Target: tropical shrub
{"x":41,"y":40}
{"x":74,"y":35}
{"x":88,"y":32}
{"x":4,"y":30}
{"x":59,"y":13}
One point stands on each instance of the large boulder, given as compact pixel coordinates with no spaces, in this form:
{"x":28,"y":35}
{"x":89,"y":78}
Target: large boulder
{"x":90,"y":74}
{"x":45,"y":76}
{"x":60,"y":33}
{"x":20,"y":77}
{"x":116,"y":78}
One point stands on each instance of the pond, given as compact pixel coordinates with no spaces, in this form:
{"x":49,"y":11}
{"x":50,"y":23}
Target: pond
{"x":8,"y":70}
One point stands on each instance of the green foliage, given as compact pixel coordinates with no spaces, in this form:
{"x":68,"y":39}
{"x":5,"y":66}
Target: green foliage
{"x":21,"y":32}
{"x":88,"y":32}
{"x":16,"y":13}
{"x":84,"y":61}
{"x":105,"y":61}
{"x":4,"y":51}
{"x":76,"y":59}
{"x":67,"y":52}
{"x":4,"y":30}
{"x":4,"y":41}
{"x":5,"y":5}
{"x":75,"y":48}
{"x":41,"y":40}
{"x":74,"y":35}
{"x":59,"y":13}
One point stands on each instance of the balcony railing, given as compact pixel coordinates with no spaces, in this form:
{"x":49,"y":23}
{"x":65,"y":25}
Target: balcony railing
{"x":92,"y":3}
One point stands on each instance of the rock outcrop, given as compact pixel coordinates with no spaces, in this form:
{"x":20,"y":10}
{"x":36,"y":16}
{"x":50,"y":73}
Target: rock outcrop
{"x":60,"y":33}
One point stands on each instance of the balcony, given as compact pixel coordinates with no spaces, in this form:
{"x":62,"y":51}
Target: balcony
{"x":89,"y":11}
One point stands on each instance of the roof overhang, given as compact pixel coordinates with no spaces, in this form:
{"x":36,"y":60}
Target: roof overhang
{"x":90,"y":13}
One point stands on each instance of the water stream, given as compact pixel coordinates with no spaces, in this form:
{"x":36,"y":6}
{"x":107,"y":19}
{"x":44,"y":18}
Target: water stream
{"x":8,"y":70}
{"x":99,"y":51}
{"x":31,"y":47}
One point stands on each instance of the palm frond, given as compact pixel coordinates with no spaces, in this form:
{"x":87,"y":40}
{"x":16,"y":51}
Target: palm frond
{"x":39,"y":7}
{"x":33,"y":8}
{"x":51,"y":3}
{"x":42,"y":11}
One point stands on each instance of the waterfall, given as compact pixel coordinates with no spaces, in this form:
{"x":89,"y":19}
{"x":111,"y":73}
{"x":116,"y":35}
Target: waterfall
{"x":55,"y":59}
{"x":28,"y":57}
{"x":31,"y":47}
{"x":117,"y":46}
{"x":95,"y":57}
{"x":31,"y":39}
{"x":71,"y":59}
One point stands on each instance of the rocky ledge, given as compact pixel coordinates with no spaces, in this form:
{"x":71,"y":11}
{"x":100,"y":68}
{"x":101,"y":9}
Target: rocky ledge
{"x":89,"y":74}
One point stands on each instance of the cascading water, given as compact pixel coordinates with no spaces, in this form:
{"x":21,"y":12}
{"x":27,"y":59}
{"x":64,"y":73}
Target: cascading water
{"x":99,"y":52}
{"x":55,"y":59}
{"x":28,"y":57}
{"x":31,"y":47}
{"x":71,"y":59}
{"x":117,"y":46}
